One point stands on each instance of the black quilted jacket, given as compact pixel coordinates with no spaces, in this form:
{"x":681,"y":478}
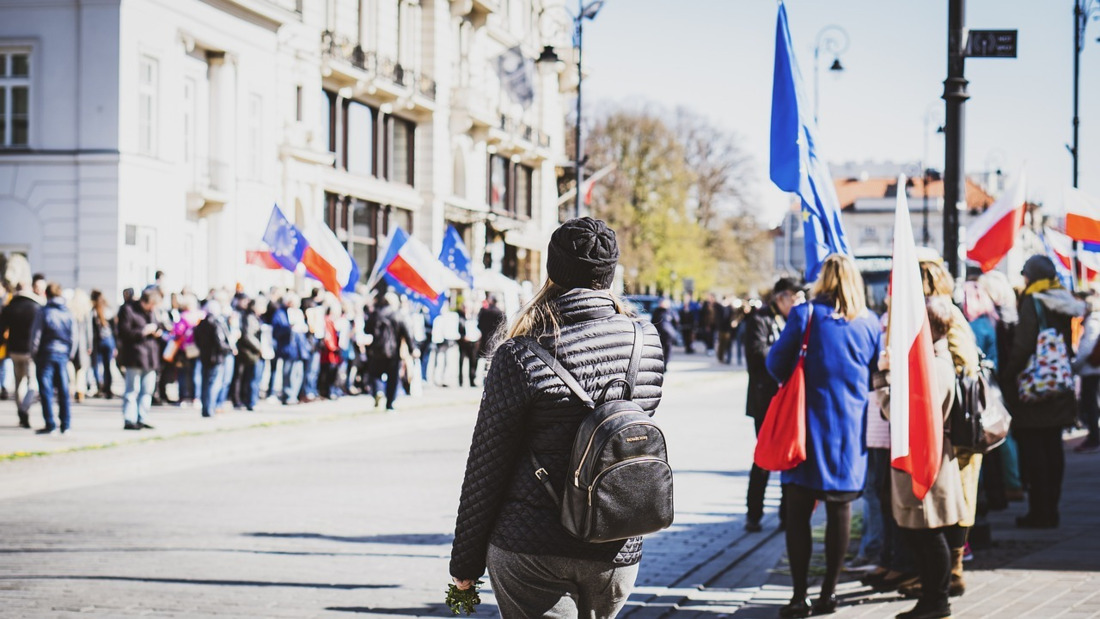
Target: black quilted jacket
{"x":527,"y":407}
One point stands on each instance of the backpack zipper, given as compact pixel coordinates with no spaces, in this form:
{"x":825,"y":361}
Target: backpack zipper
{"x":592,"y":438}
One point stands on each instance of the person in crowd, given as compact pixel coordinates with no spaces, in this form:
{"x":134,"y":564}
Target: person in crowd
{"x":139,"y":355}
{"x":80,"y":308}
{"x":332,"y":356}
{"x":739,"y":331}
{"x":275,"y":303}
{"x":314,"y":311}
{"x":490,"y":320}
{"x":446,"y":333}
{"x":842,"y":354}
{"x":229,"y":362}
{"x":932,"y":524}
{"x":291,"y":346}
{"x":506,"y":521}
{"x":725,"y":331}
{"x":4,"y":298}
{"x":212,"y":339}
{"x":708,"y":322}
{"x":424,"y":340}
{"x":165,"y":314}
{"x":16,"y":325}
{"x":689,"y":320}
{"x":962,"y":344}
{"x":1037,"y":426}
{"x":468,"y":344}
{"x":52,"y":347}
{"x":981,"y":314}
{"x":186,"y":355}
{"x":249,"y":355}
{"x":103,"y":343}
{"x":388,"y":333}
{"x":1087,"y":366}
{"x":668,"y":326}
{"x":762,"y":329}
{"x":1007,"y":468}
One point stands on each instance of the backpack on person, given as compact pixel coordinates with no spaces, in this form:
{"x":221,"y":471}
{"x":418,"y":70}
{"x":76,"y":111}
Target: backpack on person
{"x":384,"y":344}
{"x":979,"y":421}
{"x":1048,"y":374}
{"x":620,"y":483}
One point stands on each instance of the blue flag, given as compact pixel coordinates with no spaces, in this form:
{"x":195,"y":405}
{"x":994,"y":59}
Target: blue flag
{"x":796,"y":165}
{"x":455,"y":257}
{"x":285,"y":240}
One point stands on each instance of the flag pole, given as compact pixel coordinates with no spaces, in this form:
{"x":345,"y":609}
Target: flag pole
{"x":376,"y":270}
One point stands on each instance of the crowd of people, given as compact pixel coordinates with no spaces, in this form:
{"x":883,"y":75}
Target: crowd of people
{"x":227,"y":349}
{"x":918,"y":546}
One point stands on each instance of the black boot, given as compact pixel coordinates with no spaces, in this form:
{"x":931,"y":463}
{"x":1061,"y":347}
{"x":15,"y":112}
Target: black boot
{"x":799,"y":606}
{"x":24,"y":420}
{"x":925,"y":610}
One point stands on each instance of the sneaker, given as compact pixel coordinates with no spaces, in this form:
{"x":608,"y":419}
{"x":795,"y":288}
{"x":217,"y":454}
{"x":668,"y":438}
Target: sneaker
{"x":968,"y":555}
{"x":130,"y":426}
{"x":144,"y":426}
{"x":752,"y":525}
{"x":67,"y":431}
{"x":860,"y":564}
{"x":46,"y":431}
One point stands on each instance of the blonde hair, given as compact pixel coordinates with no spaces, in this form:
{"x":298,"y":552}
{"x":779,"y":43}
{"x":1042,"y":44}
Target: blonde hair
{"x":841,"y":283}
{"x":936,"y":278}
{"x":540,"y":316}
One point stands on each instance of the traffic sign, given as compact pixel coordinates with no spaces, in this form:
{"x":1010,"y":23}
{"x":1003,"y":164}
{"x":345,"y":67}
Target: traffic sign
{"x":991,"y":44}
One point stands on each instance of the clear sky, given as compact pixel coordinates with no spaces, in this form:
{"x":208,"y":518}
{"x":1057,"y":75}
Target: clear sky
{"x":716,"y":57}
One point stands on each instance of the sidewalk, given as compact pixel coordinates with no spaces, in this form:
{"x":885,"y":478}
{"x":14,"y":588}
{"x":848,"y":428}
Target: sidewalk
{"x":1037,"y":574}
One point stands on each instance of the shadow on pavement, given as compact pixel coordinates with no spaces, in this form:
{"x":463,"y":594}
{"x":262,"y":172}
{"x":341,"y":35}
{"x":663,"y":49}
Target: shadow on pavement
{"x":414,"y":539}
{"x":429,"y":610}
{"x":207,"y":582}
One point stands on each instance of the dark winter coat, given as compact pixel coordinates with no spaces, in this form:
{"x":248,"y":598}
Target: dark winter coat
{"x":526,"y":407}
{"x":489,"y":320}
{"x":384,"y":318}
{"x":52,"y":334}
{"x":137,"y":350}
{"x":17,"y":322}
{"x":212,"y":338}
{"x":761,"y":329}
{"x":1059,"y":309}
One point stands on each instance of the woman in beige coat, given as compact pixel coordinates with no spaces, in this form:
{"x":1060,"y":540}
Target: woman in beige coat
{"x":932,"y":525}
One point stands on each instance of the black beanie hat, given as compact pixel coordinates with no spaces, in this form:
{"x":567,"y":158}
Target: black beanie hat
{"x":1039,"y":267}
{"x":582,"y":254}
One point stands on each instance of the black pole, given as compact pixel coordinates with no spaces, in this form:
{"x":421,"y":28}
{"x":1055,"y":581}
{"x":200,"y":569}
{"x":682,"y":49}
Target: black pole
{"x":577,"y":137}
{"x":1078,"y":34}
{"x":954,"y":93}
{"x":925,"y":235}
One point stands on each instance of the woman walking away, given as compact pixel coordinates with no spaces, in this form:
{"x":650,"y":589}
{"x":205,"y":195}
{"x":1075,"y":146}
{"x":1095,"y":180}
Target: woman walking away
{"x":842,"y":354}
{"x":931,"y":525}
{"x":506,"y":519}
{"x":1037,"y":425}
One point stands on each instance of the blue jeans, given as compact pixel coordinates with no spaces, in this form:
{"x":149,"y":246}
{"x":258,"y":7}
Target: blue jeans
{"x":212,"y":377}
{"x":187,"y":380}
{"x":874,"y":532}
{"x":258,"y":379}
{"x":140,"y":385}
{"x":292,"y":380}
{"x":101,"y":365}
{"x":53,"y":373}
{"x":313,"y":372}
{"x":227,"y":379}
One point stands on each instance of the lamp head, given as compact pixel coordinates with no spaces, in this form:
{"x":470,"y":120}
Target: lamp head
{"x":548,"y":55}
{"x":589,"y":12}
{"x":836,"y":66}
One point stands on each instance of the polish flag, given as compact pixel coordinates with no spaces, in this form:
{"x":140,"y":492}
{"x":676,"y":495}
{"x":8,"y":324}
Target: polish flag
{"x":261,"y":258}
{"x":326,"y":258}
{"x":1061,"y":248}
{"x":994,"y":232}
{"x":1082,"y":216}
{"x":916,"y":421}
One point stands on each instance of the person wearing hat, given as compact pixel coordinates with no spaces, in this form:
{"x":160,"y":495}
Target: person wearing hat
{"x":761,"y":329}
{"x":1037,"y":426}
{"x":506,"y":521}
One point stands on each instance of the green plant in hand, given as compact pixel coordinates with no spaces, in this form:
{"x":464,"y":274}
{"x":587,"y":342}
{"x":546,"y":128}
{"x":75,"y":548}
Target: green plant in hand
{"x":463,"y":600}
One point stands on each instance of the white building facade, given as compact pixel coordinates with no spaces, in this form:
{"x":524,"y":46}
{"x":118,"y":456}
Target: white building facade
{"x":146,"y":135}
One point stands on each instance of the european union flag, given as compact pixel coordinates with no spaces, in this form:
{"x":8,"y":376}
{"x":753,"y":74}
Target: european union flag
{"x":285,"y":240}
{"x":795,"y":162}
{"x":455,"y":257}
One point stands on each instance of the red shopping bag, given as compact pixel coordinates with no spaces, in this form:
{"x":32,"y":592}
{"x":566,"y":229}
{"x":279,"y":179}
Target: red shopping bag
{"x":781,"y":444}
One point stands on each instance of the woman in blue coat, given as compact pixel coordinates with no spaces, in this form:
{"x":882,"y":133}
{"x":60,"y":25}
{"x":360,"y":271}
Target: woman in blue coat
{"x":840,"y":357}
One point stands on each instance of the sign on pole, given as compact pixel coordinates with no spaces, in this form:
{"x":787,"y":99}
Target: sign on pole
{"x":991,"y":44}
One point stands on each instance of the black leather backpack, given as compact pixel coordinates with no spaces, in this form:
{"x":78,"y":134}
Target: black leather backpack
{"x":620,"y":483}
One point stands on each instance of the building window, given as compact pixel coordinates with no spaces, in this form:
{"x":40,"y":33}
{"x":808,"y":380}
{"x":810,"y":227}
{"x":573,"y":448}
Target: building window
{"x":298,"y":103}
{"x":359,"y":139}
{"x":188,"y":120}
{"x":524,"y":205}
{"x":459,"y":181}
{"x":147,"y":106}
{"x":356,"y":221}
{"x":498,"y":183}
{"x":328,"y":121}
{"x":255,"y":135}
{"x":15,"y":99}
{"x":403,"y":134}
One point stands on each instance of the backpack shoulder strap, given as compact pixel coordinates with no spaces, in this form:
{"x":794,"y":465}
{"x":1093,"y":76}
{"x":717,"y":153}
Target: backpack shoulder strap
{"x":1040,"y":314}
{"x":562,"y":373}
{"x":635,"y":355}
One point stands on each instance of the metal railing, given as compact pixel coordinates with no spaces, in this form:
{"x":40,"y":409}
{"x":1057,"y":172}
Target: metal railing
{"x":377,"y":65}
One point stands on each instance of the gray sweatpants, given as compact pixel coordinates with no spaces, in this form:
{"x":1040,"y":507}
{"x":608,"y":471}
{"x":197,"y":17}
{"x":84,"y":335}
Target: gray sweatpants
{"x":528,"y":586}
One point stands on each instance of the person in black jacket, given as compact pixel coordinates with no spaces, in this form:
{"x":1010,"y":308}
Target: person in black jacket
{"x":388,"y":332}
{"x":52,"y":345}
{"x":212,"y":338}
{"x":16,"y":322}
{"x":506,"y":519}
{"x":762,"y":328}
{"x":489,"y":321}
{"x":668,"y":326}
{"x":139,"y":356}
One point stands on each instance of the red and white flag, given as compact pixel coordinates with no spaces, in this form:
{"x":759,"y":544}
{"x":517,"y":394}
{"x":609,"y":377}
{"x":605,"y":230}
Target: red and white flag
{"x":994,"y":232}
{"x":916,"y":421}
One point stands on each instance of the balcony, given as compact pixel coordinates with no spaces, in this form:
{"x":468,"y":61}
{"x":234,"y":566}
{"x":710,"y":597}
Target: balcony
{"x":210,"y":185}
{"x":373,"y":72}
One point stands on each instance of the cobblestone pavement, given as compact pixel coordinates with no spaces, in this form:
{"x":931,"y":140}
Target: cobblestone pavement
{"x":342,"y":511}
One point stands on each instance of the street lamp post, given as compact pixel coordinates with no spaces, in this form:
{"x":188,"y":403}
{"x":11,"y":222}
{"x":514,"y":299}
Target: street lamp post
{"x":834,"y":40}
{"x":955,"y":96}
{"x":1082,"y":10}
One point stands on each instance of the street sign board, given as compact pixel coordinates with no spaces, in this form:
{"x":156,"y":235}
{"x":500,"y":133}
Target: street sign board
{"x":991,"y":44}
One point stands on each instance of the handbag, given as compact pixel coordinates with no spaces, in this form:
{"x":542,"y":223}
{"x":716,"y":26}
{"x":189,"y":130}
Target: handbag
{"x":781,"y":443}
{"x":979,"y":421}
{"x":1048,"y":373}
